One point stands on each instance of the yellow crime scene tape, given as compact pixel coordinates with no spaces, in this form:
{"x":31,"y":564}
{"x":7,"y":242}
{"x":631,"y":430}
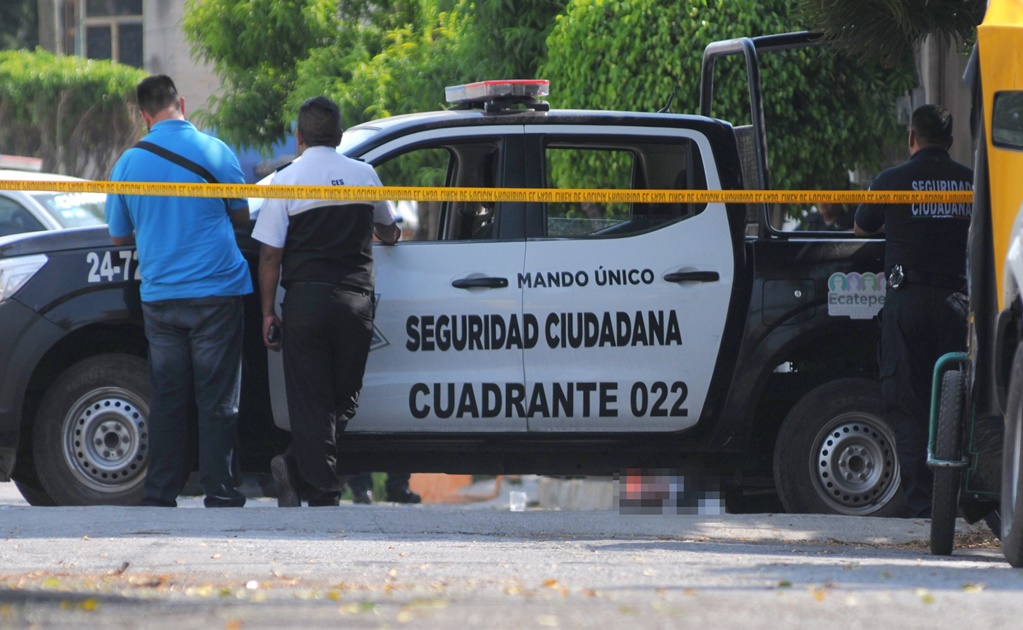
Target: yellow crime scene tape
{"x":422,"y":193}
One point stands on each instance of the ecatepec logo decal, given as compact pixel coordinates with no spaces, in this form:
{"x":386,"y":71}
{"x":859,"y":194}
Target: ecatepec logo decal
{"x":856,"y":295}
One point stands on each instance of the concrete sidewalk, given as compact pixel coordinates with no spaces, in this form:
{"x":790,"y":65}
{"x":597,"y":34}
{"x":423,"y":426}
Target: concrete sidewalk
{"x":417,"y":521}
{"x":542,"y":492}
{"x":262,"y":519}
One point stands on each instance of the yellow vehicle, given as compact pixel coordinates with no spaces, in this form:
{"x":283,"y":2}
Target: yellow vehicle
{"x":976,"y":445}
{"x":1003,"y":103}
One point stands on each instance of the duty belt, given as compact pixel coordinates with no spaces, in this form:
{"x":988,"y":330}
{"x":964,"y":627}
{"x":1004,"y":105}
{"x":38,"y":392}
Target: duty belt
{"x":898,"y":277}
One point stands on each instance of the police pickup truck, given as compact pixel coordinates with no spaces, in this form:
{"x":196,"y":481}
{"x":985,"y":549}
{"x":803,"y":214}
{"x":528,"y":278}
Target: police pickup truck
{"x":562,"y":338}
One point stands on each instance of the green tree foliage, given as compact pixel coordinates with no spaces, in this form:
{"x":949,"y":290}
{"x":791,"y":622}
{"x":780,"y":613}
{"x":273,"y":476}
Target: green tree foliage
{"x":506,"y":39}
{"x":825,"y":114}
{"x":374,"y":72}
{"x":381,"y":66}
{"x":19,"y":24}
{"x":77,"y":114}
{"x":375,"y":57}
{"x":887,"y":30}
{"x":255,"y":46}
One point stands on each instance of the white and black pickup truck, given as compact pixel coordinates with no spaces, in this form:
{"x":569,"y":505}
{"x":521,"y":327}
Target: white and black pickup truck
{"x":513,"y":337}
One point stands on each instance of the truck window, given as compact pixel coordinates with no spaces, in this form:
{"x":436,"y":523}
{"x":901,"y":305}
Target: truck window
{"x":15,"y":219}
{"x":625,"y":165}
{"x":470,"y":164}
{"x":1007,"y":121}
{"x":818,"y":218}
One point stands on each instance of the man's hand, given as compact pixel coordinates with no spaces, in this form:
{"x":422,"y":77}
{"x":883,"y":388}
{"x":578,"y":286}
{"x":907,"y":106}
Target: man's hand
{"x":387,"y":233}
{"x":272,"y":327}
{"x":269,"y":275}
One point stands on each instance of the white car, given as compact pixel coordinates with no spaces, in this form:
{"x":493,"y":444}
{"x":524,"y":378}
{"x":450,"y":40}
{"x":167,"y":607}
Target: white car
{"x":38,"y":210}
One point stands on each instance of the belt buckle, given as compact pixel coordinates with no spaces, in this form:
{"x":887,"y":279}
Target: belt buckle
{"x":896,"y":277}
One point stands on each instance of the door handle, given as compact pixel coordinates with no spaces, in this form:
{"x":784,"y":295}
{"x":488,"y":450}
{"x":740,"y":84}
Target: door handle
{"x":692,"y":276}
{"x":482,"y":282}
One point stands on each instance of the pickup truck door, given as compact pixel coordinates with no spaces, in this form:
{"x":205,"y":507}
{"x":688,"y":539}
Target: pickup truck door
{"x":444,"y":354}
{"x":631,"y":299}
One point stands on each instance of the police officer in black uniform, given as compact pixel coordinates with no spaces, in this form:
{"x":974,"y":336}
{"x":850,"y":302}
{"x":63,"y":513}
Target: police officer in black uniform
{"x":924,"y":314}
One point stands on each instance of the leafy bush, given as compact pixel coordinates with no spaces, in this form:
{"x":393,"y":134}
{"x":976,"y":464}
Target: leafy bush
{"x":74,"y":113}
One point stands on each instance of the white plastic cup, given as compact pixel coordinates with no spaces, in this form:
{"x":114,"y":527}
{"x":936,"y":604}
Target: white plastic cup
{"x":517,"y":501}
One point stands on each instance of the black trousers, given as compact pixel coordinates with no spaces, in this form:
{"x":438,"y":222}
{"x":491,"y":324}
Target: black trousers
{"x":919,"y":324}
{"x":326,"y":337}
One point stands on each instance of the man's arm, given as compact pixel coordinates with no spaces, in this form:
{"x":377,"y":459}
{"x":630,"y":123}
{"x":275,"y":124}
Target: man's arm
{"x":116,"y":214}
{"x":868,"y":220}
{"x":269,"y":276}
{"x":861,"y":232}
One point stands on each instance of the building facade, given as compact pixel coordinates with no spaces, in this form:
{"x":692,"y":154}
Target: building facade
{"x":143,"y":33}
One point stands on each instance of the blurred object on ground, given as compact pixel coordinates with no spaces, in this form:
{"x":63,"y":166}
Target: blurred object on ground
{"x":440,"y":488}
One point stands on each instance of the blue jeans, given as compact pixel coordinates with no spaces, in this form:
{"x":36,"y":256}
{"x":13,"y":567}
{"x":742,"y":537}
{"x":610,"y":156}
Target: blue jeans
{"x":195,"y":351}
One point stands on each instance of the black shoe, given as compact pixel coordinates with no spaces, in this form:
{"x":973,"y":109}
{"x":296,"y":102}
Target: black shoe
{"x":285,"y":473}
{"x":330,"y":501}
{"x":403,"y":495}
{"x":364,"y":497}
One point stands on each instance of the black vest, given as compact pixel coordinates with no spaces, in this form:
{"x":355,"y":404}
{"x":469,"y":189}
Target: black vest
{"x":331,"y":244}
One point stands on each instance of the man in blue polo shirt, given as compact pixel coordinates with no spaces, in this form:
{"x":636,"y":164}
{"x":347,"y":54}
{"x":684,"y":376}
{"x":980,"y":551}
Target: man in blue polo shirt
{"x":193,"y":280}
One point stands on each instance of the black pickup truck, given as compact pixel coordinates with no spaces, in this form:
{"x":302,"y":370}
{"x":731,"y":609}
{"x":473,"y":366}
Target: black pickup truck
{"x":564,"y":338}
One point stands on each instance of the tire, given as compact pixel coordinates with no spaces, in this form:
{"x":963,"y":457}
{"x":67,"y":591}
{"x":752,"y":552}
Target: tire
{"x":947,"y":445}
{"x":1011,"y":510}
{"x":835,"y":453}
{"x":91,"y":438}
{"x":26,"y":478}
{"x":34,"y":494}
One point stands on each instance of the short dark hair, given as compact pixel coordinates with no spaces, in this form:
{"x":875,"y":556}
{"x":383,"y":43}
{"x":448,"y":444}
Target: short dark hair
{"x":932,"y":125}
{"x":154,"y":94}
{"x":319,"y":120}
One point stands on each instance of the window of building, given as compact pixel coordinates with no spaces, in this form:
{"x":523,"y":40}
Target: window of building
{"x":106,"y":29}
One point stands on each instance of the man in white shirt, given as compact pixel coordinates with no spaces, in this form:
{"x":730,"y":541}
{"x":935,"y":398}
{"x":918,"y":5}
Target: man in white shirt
{"x":321,"y":252}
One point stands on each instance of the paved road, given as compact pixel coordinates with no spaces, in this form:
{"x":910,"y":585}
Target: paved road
{"x":450,"y":566}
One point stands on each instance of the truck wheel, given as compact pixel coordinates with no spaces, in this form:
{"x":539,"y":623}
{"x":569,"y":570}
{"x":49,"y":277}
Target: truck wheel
{"x":35,"y":495}
{"x":91,"y":435}
{"x":948,"y":446}
{"x":32,"y":490}
{"x":1012,"y":467}
{"x":835,"y":453}
{"x":27,"y":480}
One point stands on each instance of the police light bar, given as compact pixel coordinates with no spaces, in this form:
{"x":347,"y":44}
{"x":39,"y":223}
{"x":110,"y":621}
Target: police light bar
{"x":494,"y":90}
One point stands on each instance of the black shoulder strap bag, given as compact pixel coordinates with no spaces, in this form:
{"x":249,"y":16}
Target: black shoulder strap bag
{"x":181,"y":161}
